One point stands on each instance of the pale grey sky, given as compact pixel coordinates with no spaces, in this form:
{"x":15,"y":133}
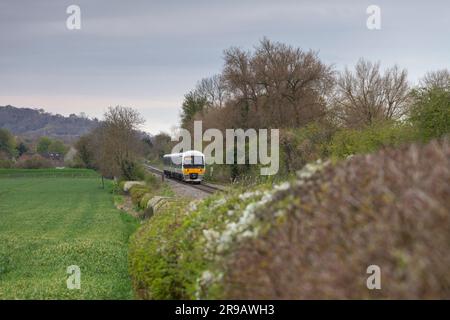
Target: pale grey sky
{"x":148,"y":54}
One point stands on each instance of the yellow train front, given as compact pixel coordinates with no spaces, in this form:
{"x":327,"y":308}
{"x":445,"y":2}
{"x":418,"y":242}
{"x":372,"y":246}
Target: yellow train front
{"x":187,"y":166}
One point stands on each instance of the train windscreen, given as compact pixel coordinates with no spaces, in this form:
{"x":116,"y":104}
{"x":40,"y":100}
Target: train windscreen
{"x":193,"y":162}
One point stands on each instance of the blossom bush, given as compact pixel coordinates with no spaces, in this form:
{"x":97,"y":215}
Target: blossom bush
{"x":180,"y":252}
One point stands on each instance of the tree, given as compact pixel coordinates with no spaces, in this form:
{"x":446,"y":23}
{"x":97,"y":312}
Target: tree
{"x":21,"y":148}
{"x":439,"y":79}
{"x":86,"y":151}
{"x":431,"y":113}
{"x":43,"y":145}
{"x":7,"y":143}
{"x":277,"y":85}
{"x":57,"y":146}
{"x":193,"y":104}
{"x":366,"y":96}
{"x":117,"y":143}
{"x":214,"y":90}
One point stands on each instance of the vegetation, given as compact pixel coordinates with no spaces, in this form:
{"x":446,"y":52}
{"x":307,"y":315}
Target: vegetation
{"x":346,"y":142}
{"x":307,"y":237}
{"x":320,"y":112}
{"x":431,"y":113}
{"x":170,"y":253}
{"x":141,"y":194}
{"x":54,"y":173}
{"x":7,"y":143}
{"x":31,"y":123}
{"x":300,"y":234}
{"x":114,"y":147}
{"x":36,"y":161}
{"x":64,"y":221}
{"x":388,"y":209}
{"x":48,"y":145}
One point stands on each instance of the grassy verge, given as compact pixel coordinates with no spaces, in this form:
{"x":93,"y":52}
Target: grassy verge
{"x":49,"y":223}
{"x":29,"y":173}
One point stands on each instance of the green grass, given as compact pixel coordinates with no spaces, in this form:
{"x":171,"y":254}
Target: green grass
{"x":50,"y":223}
{"x":66,"y":172}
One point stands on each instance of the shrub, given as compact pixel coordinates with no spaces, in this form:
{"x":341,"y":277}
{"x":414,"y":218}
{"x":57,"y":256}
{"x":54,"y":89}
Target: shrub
{"x":137,"y":192}
{"x":431,"y":113}
{"x":301,"y":146}
{"x":169,"y":256}
{"x":5,"y":161}
{"x":7,"y":144}
{"x":144,"y":200}
{"x":310,"y":238}
{"x":389,"y":209}
{"x":152,"y":181}
{"x":34,"y":162}
{"x":131,"y":170}
{"x":348,"y":142}
{"x":121,"y":185}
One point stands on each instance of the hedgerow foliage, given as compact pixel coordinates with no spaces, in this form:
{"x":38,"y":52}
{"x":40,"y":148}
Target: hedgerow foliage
{"x":431,"y":113}
{"x":177,"y":254}
{"x":389,"y":209}
{"x":346,"y":142}
{"x":312,"y":237}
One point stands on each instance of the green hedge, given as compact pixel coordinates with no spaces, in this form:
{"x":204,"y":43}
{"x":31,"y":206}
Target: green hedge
{"x":348,"y":142}
{"x":170,"y":254}
{"x":137,"y":192}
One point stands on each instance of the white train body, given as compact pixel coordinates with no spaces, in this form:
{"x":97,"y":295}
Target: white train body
{"x":186,"y":166}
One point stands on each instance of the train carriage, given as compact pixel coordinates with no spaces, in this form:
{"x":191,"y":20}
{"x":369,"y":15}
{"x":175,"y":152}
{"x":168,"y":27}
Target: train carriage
{"x":187,"y":166}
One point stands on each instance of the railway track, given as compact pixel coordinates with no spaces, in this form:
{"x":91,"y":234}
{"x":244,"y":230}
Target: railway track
{"x":205,"y":187}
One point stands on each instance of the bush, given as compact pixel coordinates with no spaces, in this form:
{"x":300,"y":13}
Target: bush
{"x":310,"y":238}
{"x":389,"y":209}
{"x":121,"y":185}
{"x":34,"y":162}
{"x":431,"y":113}
{"x":152,"y":181}
{"x":132,"y":170}
{"x":168,"y":254}
{"x":348,"y":142}
{"x":144,"y":200}
{"x":301,"y":146}
{"x":5,"y":161}
{"x":137,"y":192}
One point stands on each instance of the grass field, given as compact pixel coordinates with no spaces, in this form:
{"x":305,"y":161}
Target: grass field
{"x":49,"y":222}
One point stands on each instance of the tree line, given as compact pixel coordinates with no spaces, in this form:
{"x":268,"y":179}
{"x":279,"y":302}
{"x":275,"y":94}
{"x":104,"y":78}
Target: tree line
{"x":23,"y":153}
{"x":116,"y":146}
{"x":280,"y":86}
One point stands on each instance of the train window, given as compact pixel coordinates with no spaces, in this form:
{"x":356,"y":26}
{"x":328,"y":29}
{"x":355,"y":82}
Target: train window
{"x":187,"y":160}
{"x":193,"y":161}
{"x":198,"y":160}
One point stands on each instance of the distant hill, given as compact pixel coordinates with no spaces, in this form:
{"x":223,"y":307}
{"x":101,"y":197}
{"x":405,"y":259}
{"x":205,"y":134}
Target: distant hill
{"x":34,"y":123}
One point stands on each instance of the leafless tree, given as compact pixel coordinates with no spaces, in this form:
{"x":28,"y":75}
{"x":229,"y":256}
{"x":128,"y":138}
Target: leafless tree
{"x":366,"y":96}
{"x":213,"y":89}
{"x":117,"y":142}
{"x":439,"y":79}
{"x":278,"y":84}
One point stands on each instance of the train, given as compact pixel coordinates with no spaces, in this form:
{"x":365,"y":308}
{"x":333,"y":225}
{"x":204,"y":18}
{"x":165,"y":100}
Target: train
{"x":187,"y":166}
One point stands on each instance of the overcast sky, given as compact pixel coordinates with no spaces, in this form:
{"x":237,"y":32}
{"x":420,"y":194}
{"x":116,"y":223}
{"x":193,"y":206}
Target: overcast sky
{"x":148,"y":54}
